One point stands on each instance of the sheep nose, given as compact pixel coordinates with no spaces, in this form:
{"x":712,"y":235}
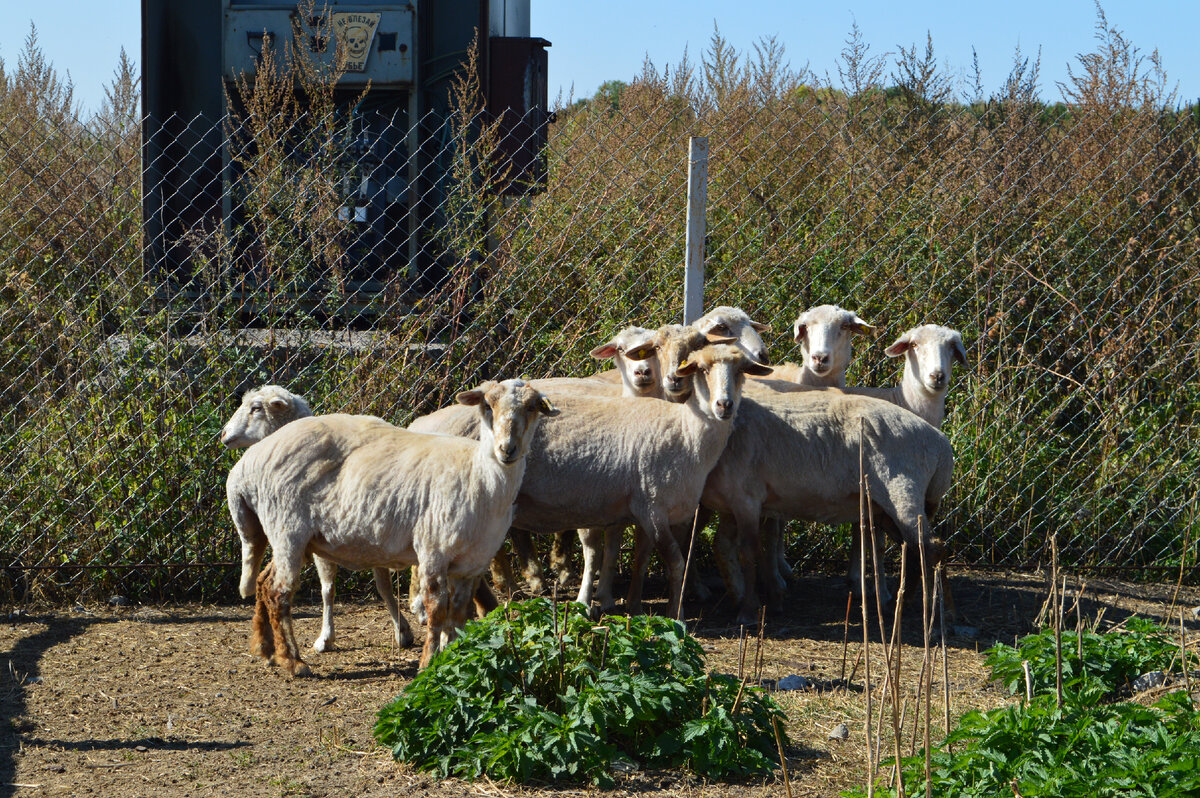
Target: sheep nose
{"x":937,"y":377}
{"x":762,"y":357}
{"x":724,"y":408}
{"x":820,"y":360}
{"x":508,"y":451}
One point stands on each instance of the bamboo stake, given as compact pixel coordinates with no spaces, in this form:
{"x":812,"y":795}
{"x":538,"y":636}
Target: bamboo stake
{"x":1056,"y":610}
{"x":897,"y":650}
{"x":1187,"y":677}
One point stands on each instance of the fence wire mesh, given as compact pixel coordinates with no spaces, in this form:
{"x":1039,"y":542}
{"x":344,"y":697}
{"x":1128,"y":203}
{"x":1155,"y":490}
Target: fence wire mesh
{"x":1061,"y":240}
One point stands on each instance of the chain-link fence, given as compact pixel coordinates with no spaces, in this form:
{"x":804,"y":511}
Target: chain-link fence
{"x":1061,"y":240}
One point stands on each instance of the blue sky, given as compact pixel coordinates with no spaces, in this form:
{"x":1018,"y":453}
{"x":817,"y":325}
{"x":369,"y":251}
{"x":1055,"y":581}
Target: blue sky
{"x":595,"y":42}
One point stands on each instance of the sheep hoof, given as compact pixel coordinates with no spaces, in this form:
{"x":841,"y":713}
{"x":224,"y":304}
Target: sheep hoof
{"x":321,"y":645}
{"x":405,"y":640}
{"x":300,"y":668}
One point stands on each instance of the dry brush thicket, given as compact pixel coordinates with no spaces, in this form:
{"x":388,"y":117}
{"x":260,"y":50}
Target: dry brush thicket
{"x":1059,"y":238}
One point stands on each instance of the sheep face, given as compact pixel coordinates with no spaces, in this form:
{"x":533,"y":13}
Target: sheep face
{"x":735,"y":323}
{"x":675,"y":343}
{"x":825,"y":334}
{"x":263,"y":410}
{"x":632,"y":352}
{"x":718,"y":373}
{"x":930,"y":351}
{"x":509,"y":412}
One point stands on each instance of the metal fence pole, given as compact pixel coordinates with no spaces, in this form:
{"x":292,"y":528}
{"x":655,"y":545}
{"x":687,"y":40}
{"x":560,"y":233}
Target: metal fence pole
{"x":697,"y":201}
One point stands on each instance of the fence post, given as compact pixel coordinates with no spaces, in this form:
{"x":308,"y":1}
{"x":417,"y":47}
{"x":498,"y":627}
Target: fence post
{"x":697,"y":202}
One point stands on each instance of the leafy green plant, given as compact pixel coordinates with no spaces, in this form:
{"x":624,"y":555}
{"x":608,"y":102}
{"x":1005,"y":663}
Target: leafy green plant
{"x":535,"y":691}
{"x":1081,"y":748}
{"x":1111,"y":661}
{"x":1037,"y":749}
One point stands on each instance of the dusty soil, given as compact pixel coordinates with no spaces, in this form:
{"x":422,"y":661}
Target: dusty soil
{"x":168,"y":701}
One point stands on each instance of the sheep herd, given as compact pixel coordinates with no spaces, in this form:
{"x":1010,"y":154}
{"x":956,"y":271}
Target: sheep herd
{"x":672,"y":435}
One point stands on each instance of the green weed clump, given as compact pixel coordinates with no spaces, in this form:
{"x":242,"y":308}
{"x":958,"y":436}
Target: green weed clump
{"x":1085,"y":746}
{"x":538,"y":692}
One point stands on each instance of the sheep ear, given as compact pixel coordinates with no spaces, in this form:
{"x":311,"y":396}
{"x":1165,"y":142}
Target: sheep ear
{"x":757,"y":369}
{"x":278,"y":403}
{"x":901,"y":345}
{"x":860,"y":327}
{"x":475,"y":395}
{"x":760,"y":327}
{"x":546,"y":406}
{"x":643,"y":352}
{"x":799,"y":331}
{"x":960,"y":351}
{"x":605,"y":351}
{"x":686,"y":369}
{"x":713,"y":338}
{"x":470,"y":398}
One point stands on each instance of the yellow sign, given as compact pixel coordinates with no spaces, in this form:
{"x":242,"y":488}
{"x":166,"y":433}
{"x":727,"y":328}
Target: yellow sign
{"x":355,"y":30}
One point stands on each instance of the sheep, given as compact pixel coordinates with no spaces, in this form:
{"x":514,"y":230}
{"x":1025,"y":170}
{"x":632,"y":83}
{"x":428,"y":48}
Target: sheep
{"x":613,"y":460}
{"x":263,"y":411}
{"x":365,"y":494}
{"x":796,"y":456}
{"x":825,"y":334}
{"x":929,"y":354}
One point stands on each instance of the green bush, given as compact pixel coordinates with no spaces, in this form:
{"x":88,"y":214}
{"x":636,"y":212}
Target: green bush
{"x":535,"y":692}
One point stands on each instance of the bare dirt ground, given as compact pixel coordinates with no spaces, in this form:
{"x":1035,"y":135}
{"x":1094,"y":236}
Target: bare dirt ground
{"x":168,"y":701}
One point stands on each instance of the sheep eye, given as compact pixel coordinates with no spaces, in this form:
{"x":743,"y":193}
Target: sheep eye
{"x":721,"y":327}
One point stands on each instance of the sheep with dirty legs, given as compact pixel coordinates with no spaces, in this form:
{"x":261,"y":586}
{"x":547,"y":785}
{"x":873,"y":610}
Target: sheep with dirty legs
{"x":365,"y":494}
{"x":263,"y":411}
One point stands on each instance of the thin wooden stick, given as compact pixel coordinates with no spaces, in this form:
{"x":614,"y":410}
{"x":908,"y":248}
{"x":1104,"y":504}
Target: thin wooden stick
{"x":687,"y":564}
{"x":1187,"y":677}
{"x":940,"y":576}
{"x":1056,"y":610}
{"x":787,"y":782}
{"x":897,"y":645}
{"x":862,"y":559}
{"x":846,"y":634}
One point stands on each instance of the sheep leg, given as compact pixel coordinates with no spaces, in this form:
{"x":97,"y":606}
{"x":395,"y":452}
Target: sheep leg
{"x":254,"y":546}
{"x":613,"y":537}
{"x":749,"y":544}
{"x":462,"y":595}
{"x":502,"y":574}
{"x":560,"y":557}
{"x":435,"y":593}
{"x":277,"y":596}
{"x":416,"y":603}
{"x":531,"y":566}
{"x":771,"y":531}
{"x":326,"y":571}
{"x":725,"y":551}
{"x":672,"y":557}
{"x":854,"y":572}
{"x":641,"y":562}
{"x":383,"y":586}
{"x":590,"y":542}
{"x":696,"y":589}
{"x":262,"y":641}
{"x":485,"y":599}
{"x":786,"y":571}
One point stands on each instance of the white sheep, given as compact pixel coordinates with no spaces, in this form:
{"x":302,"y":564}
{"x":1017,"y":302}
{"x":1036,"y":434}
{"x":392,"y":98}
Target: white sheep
{"x":365,"y":494}
{"x":609,"y":461}
{"x":929,"y":354}
{"x":796,"y":456}
{"x":826,"y":335}
{"x":263,"y":411}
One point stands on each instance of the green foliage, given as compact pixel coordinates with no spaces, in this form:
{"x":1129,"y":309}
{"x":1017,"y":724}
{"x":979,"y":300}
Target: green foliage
{"x":1082,"y":748}
{"x":1111,"y":661}
{"x":534,"y":692}
{"x":1036,"y":749}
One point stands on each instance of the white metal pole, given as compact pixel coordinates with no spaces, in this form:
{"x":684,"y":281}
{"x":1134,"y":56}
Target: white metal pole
{"x":697,"y":202}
